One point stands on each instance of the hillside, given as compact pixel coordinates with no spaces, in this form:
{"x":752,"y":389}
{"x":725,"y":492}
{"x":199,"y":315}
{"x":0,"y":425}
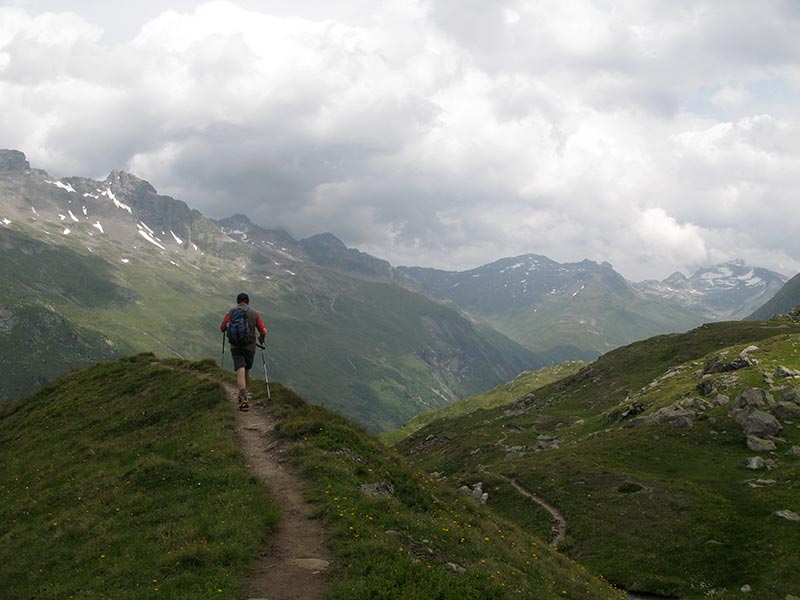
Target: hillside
{"x":785,"y":300}
{"x":645,"y":464}
{"x":522,"y":384}
{"x":123,"y":481}
{"x":98,"y":269}
{"x":570,"y":311}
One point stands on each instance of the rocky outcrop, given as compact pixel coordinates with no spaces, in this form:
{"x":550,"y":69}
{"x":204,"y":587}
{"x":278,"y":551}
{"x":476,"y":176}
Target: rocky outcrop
{"x":476,"y":491}
{"x":13,"y":160}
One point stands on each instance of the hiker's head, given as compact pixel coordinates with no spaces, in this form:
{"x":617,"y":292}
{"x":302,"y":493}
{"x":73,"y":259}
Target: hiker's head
{"x":243,"y":299}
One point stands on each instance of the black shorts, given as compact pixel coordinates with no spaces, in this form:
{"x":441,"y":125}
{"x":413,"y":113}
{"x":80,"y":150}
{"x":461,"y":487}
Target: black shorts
{"x":242,"y":357}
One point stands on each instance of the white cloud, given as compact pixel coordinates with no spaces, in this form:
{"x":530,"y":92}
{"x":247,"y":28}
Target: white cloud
{"x":655,"y":135}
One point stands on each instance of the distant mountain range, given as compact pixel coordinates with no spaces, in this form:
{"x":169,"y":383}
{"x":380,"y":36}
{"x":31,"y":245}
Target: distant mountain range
{"x":96,"y":269}
{"x":581,"y":310}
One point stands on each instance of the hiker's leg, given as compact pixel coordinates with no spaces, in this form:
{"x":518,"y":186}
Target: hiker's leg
{"x":241,"y":378}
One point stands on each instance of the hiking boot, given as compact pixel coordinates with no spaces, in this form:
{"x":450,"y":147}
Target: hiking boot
{"x":243,"y":400}
{"x":244,"y":406}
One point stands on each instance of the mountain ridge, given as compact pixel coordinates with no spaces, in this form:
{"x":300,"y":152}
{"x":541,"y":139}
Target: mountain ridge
{"x":374,"y":350}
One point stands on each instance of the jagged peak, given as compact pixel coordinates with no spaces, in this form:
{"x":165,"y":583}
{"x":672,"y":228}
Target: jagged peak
{"x":128,"y":182}
{"x":13,"y":160}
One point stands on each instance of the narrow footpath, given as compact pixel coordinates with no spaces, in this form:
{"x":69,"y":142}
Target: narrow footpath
{"x":559,"y":528}
{"x":293,"y":563}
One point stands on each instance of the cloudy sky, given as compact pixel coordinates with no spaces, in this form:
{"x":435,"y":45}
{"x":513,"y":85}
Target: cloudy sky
{"x":658,"y":136}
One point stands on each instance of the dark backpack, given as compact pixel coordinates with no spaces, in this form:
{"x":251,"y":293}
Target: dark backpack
{"x":240,"y":332}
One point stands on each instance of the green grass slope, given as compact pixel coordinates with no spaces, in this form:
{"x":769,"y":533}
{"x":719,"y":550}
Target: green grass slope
{"x":657,"y":508}
{"x":122,"y":481}
{"x":522,"y":384}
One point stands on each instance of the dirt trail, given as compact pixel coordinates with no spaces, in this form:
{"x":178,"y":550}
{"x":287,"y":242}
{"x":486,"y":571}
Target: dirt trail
{"x":560,"y":525}
{"x":292,"y":565}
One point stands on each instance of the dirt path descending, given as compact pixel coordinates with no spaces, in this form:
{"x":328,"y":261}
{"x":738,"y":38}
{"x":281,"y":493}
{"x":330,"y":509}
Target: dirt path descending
{"x":560,"y":525}
{"x":292,"y":565}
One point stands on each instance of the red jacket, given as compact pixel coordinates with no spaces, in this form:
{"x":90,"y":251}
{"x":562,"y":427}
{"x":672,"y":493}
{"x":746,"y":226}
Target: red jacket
{"x":262,"y":329}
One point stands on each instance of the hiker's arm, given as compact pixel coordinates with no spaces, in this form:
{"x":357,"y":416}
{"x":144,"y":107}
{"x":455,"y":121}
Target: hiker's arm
{"x":262,"y":329}
{"x":223,"y":327}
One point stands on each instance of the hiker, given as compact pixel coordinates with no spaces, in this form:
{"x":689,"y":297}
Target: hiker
{"x":241,"y":323}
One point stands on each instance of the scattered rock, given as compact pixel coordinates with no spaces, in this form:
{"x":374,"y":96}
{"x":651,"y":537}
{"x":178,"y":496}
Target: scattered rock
{"x":718,"y":364}
{"x":782,"y":371}
{"x":746,"y":589}
{"x":790,"y":394}
{"x":706,"y":386}
{"x":788,"y":515}
{"x":376,"y":490}
{"x":753,"y":463}
{"x":751,"y":397}
{"x":794,"y":452}
{"x":786,"y":410}
{"x":757,"y":444}
{"x":761,"y":483}
{"x":454,"y":567}
{"x":476,"y":491}
{"x":790,"y":597}
{"x":758,"y":423}
{"x":770,"y":464}
{"x":721,"y":400}
{"x":675,"y":414}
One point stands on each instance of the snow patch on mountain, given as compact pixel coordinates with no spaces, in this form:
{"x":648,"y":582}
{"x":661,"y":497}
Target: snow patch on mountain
{"x":178,"y":240}
{"x":98,"y":226}
{"x":64,"y":186}
{"x":73,"y":217}
{"x":150,"y":238}
{"x":110,"y":195}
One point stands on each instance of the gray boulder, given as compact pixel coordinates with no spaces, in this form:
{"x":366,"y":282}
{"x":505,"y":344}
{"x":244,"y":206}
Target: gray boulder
{"x":757,"y":444}
{"x":754,"y":463}
{"x":782,"y":371}
{"x":787,"y":514}
{"x":790,"y":394}
{"x":758,"y":423}
{"x":719,"y":365}
{"x":753,"y":398}
{"x":786,"y":410}
{"x":794,"y":452}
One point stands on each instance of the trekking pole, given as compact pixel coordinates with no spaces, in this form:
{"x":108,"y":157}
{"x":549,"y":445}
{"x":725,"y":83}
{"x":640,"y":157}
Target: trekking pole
{"x":264,"y":362}
{"x":222,"y":358}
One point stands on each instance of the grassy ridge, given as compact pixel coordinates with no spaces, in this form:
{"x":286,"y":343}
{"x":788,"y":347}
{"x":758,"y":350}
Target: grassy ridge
{"x":654,"y":508}
{"x":122,"y":481}
{"x":420,"y":540}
